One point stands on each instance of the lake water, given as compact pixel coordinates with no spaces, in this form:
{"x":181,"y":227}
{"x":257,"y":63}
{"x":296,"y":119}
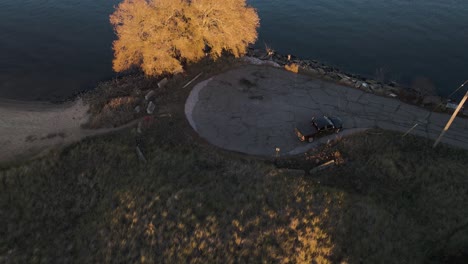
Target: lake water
{"x":51,"y":49}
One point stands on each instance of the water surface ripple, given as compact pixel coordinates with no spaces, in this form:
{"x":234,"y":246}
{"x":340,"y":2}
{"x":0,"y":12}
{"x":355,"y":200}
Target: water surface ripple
{"x":50,"y":49}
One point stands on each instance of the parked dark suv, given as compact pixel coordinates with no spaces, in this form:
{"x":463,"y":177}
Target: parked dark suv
{"x":318,"y":127}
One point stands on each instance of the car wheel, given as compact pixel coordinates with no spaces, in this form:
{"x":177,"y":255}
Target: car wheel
{"x":311,"y":139}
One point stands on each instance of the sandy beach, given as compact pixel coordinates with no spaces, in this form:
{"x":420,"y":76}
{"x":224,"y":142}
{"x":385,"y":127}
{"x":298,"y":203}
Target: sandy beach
{"x":30,"y":128}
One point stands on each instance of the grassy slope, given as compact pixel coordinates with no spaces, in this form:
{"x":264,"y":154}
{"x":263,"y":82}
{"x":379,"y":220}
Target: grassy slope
{"x":394,"y":201}
{"x":95,"y":201}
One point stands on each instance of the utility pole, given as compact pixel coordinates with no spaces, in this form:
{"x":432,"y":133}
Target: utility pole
{"x":451,"y":119}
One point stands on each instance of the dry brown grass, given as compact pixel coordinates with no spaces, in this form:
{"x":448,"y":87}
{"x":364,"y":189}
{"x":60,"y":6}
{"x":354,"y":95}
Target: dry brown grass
{"x":191,"y":204}
{"x":113,"y":103}
{"x":395,"y":200}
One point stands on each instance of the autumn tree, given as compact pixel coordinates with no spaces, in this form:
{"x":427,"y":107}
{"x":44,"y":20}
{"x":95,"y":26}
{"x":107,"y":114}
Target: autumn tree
{"x":160,"y":36}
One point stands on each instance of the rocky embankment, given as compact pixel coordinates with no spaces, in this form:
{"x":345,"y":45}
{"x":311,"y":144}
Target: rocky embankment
{"x":330,"y":73}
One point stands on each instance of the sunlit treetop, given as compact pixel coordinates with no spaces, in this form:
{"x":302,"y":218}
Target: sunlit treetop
{"x":160,"y":36}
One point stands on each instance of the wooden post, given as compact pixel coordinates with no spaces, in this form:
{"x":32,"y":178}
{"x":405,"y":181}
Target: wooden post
{"x":196,"y":77}
{"x":451,"y":119}
{"x":411,"y":129}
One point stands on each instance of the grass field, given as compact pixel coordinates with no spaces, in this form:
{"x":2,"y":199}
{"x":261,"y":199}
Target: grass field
{"x":394,"y":200}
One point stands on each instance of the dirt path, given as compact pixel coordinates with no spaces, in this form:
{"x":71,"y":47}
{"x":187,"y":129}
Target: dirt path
{"x":254,"y":110}
{"x":30,"y":128}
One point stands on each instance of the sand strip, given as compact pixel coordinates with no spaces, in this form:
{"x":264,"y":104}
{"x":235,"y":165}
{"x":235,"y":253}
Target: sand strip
{"x":30,"y":128}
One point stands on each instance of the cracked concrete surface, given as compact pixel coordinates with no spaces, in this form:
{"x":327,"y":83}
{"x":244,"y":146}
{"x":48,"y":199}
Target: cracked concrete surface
{"x":254,"y":109}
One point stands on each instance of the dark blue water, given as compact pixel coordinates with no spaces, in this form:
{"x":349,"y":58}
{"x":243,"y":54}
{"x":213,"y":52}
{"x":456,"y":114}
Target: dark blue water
{"x":50,"y":49}
{"x":53,"y":48}
{"x":405,"y":39}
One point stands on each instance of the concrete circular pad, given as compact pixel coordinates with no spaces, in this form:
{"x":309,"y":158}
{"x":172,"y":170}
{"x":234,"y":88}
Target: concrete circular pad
{"x":254,"y":110}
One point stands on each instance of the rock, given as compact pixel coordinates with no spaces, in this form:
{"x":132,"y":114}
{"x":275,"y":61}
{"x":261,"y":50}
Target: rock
{"x":259,"y":53}
{"x":375,"y":87}
{"x":137,"y":109}
{"x":370,"y":89}
{"x":327,"y":77}
{"x":310,"y":70}
{"x":163,"y":83}
{"x":451,"y":105}
{"x":307,"y":62}
{"x":139,"y":127}
{"x":346,"y":81}
{"x":256,"y":61}
{"x":150,"y":108}
{"x":358,"y":84}
{"x":140,"y":155}
{"x":321,"y":71}
{"x":343,"y":76}
{"x":380,"y":91}
{"x":334,"y":76}
{"x":250,"y":51}
{"x":280,"y":62}
{"x":392,"y":95}
{"x":149,"y":95}
{"x":391,"y":89}
{"x":431,"y":99}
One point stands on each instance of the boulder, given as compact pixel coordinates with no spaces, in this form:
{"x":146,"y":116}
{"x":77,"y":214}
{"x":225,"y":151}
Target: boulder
{"x":327,"y":77}
{"x":139,"y":131}
{"x":309,"y":70}
{"x":334,"y":76}
{"x":259,"y":53}
{"x":375,"y":87}
{"x":343,"y":76}
{"x":150,"y":108}
{"x":140,"y":155}
{"x":280,"y":61}
{"x":137,"y":109}
{"x":256,"y":61}
{"x":346,"y":81}
{"x":451,"y":105}
{"x":149,"y":95}
{"x":163,"y":83}
{"x":307,"y":62}
{"x":391,"y":89}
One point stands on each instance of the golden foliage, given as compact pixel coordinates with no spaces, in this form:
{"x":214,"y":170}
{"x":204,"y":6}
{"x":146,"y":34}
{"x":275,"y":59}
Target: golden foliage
{"x":294,"y":67}
{"x":161,"y":35}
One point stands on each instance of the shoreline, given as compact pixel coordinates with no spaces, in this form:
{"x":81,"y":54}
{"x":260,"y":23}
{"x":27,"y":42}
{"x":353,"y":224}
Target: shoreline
{"x":40,"y":125}
{"x":29,"y":129}
{"x":317,"y":69}
{"x":312,"y":67}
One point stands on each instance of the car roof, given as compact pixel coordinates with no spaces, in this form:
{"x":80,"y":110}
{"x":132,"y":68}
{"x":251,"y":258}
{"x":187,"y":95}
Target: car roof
{"x":336,"y":121}
{"x":322,"y":122}
{"x":306,"y":128}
